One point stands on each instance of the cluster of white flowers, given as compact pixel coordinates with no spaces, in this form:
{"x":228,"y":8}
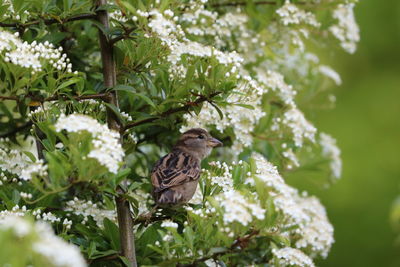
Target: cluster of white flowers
{"x":144,"y":199}
{"x":89,"y":209}
{"x":238,"y":208}
{"x":330,"y":73}
{"x":300,"y":127}
{"x":291,"y":14}
{"x":174,"y":37}
{"x":317,"y":233}
{"x":37,"y":168}
{"x":56,"y":249}
{"x":33,"y":55}
{"x":38,"y":214}
{"x":107,"y":148}
{"x":15,"y":161}
{"x":346,"y":30}
{"x":118,"y":16}
{"x":314,"y":231}
{"x":45,"y":242}
{"x":224,"y":179}
{"x":331,"y":151}
{"x":291,"y":257}
{"x":11,"y":11}
{"x":276,"y":82}
{"x":169,"y":224}
{"x":15,"y":211}
{"x":293,"y":160}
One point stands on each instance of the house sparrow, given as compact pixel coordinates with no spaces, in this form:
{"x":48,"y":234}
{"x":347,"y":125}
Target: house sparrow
{"x":176,"y":175}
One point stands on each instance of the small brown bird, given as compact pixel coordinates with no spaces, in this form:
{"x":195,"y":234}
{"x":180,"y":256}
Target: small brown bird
{"x":176,"y":175}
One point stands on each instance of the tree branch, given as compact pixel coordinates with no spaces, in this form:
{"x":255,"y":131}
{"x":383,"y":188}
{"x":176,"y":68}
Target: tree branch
{"x":125,"y":35}
{"x":172,"y":111}
{"x":8,"y":98}
{"x":125,"y":221}
{"x":17,"y":129}
{"x":49,"y":21}
{"x":102,"y":96}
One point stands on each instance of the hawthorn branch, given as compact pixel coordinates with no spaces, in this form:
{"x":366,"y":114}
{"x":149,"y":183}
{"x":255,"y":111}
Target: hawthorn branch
{"x":2,"y":97}
{"x":173,"y":110}
{"x":50,"y":21}
{"x":17,"y":129}
{"x":125,"y":35}
{"x":125,"y":221}
{"x":101,"y":96}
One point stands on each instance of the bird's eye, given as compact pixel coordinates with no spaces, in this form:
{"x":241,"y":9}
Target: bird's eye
{"x":200,"y":136}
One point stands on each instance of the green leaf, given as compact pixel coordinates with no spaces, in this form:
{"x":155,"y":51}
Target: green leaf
{"x":132,"y":90}
{"x":68,"y":83}
{"x":30,"y":156}
{"x":245,"y":106}
{"x":112,"y":232}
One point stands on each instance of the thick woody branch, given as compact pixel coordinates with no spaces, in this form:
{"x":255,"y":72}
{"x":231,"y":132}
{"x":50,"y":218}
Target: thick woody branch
{"x":125,"y":221}
{"x":172,"y":111}
{"x":49,"y":21}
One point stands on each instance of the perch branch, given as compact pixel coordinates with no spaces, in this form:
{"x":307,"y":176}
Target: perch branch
{"x":173,"y":110}
{"x":101,"y":96}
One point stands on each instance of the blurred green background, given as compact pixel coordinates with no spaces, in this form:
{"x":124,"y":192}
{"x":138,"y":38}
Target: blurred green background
{"x":366,"y":123}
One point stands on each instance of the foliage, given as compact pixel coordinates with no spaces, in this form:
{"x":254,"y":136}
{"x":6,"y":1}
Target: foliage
{"x":248,"y":71}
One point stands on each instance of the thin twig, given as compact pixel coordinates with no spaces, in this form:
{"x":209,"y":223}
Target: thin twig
{"x":2,"y":97}
{"x":16,"y":130}
{"x":125,"y":35}
{"x":172,"y":111}
{"x":49,"y":21}
{"x":102,"y":96}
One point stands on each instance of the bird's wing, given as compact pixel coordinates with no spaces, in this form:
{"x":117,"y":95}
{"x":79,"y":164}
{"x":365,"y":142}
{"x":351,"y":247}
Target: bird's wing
{"x":174,"y":169}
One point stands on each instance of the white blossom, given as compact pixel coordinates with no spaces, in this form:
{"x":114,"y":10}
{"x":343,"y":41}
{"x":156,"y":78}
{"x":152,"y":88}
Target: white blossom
{"x":292,"y":257}
{"x":331,"y":151}
{"x":346,"y":30}
{"x":46,"y":243}
{"x":238,"y":208}
{"x":314,"y":230}
{"x":35,"y":168}
{"x":330,"y":73}
{"x":89,"y":209}
{"x":33,"y":55}
{"x":291,"y":14}
{"x":169,"y":223}
{"x":107,"y":149}
{"x":300,"y":127}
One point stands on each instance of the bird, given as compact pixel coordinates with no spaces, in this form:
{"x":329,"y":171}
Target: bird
{"x":175,"y":176}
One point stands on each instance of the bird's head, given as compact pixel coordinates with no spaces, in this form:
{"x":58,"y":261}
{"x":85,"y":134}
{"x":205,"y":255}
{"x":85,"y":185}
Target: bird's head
{"x":197,"y":142}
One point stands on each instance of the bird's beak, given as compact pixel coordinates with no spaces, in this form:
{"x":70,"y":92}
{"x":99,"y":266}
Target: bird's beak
{"x":213,"y":142}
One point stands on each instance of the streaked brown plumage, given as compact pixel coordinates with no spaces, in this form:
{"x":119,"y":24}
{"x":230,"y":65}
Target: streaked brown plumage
{"x":175,"y":176}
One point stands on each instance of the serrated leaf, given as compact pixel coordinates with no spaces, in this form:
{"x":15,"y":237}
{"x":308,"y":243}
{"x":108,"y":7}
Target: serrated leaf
{"x":68,"y":83}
